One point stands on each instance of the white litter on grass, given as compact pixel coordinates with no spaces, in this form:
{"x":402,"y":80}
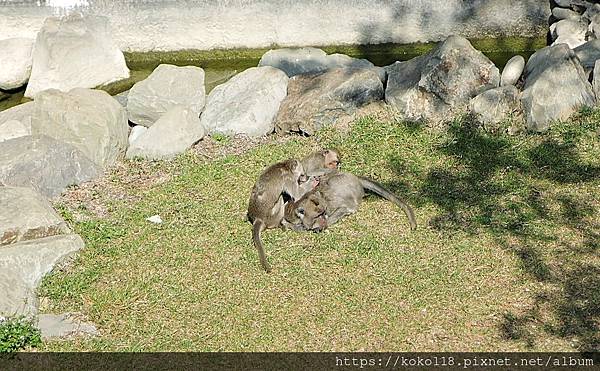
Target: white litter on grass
{"x":154,"y":219}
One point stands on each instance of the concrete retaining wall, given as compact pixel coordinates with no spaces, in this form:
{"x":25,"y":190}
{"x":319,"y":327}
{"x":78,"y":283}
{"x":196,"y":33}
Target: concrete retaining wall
{"x":166,"y":25}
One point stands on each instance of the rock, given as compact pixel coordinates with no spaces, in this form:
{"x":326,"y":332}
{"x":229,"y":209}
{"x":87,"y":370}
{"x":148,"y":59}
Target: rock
{"x":315,"y":101}
{"x":434,"y":85}
{"x":247,"y":103}
{"x":122,"y":98}
{"x":156,"y":219}
{"x":298,"y":61}
{"x":571,"y":41}
{"x":15,"y":59}
{"x":13,"y":129}
{"x":561,"y":13}
{"x":588,"y":54}
{"x":592,"y":10}
{"x":166,"y":87}
{"x":64,"y":325}
{"x":24,"y":264}
{"x":136,"y":132}
{"x":27,"y":215}
{"x":44,"y":164}
{"x":563,"y":3}
{"x":492,"y":107}
{"x":512,"y":71}
{"x":571,"y":32}
{"x":98,"y":127}
{"x":596,"y":80}
{"x":173,"y":133}
{"x":22,"y":113}
{"x":75,"y":52}
{"x":555,"y":86}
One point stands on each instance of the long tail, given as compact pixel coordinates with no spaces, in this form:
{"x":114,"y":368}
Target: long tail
{"x":257,"y":227}
{"x":377,"y":188}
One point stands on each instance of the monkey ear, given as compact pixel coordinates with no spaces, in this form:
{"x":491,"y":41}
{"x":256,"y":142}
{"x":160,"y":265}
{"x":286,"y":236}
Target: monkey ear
{"x":300,"y":212}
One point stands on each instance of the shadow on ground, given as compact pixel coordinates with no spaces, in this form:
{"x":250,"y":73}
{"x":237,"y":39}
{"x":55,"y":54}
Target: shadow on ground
{"x":535,"y":195}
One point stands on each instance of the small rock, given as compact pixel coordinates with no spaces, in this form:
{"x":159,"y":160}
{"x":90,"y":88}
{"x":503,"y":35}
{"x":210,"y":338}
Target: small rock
{"x":64,"y":325}
{"x":591,"y":12}
{"x":492,"y":107}
{"x":556,"y":85}
{"x":44,"y":164}
{"x":571,"y":41}
{"x":24,"y":264}
{"x":75,"y":52}
{"x":575,"y":29}
{"x":299,"y":61}
{"x":512,"y":71}
{"x":296,"y":61}
{"x":136,"y":132}
{"x":563,"y":3}
{"x":561,"y":13}
{"x":27,"y":215}
{"x":98,"y":127}
{"x":156,"y":219}
{"x":315,"y":101}
{"x":173,"y":133}
{"x":166,"y":87}
{"x":247,"y":103}
{"x":15,"y":59}
{"x":13,"y":129}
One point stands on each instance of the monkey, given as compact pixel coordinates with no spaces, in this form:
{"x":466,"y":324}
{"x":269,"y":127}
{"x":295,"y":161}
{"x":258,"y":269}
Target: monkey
{"x":321,"y":162}
{"x":339,"y":194}
{"x":276,"y":183}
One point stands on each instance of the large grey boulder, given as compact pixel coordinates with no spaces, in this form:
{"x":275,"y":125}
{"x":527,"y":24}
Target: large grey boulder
{"x":555,"y":86}
{"x":90,"y":120}
{"x":166,"y":87}
{"x":247,"y":103}
{"x":562,"y":13}
{"x":512,"y":70}
{"x":434,"y":85}
{"x":44,"y":164}
{"x":315,"y":101}
{"x":492,"y":107}
{"x":298,"y":61}
{"x":173,"y":133}
{"x":588,"y":54}
{"x":27,"y":215}
{"x":24,"y":264}
{"x":15,"y":59}
{"x":75,"y":52}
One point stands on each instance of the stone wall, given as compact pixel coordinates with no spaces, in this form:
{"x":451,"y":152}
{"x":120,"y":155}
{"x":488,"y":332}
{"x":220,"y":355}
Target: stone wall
{"x":166,"y":25}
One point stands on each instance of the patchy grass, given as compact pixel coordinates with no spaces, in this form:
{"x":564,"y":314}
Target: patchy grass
{"x":505,"y":256}
{"x":17,"y":334}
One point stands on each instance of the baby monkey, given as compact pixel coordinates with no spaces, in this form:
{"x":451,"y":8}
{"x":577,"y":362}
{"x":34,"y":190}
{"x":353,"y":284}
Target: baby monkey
{"x":277,"y":183}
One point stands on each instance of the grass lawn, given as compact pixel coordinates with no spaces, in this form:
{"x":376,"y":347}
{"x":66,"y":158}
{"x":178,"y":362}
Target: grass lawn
{"x":506,"y":255}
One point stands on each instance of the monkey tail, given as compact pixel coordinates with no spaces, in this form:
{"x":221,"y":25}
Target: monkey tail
{"x":377,"y":188}
{"x":257,"y":227}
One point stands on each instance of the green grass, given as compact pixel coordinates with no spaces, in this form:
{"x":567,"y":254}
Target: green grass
{"x":17,"y":334}
{"x":505,"y":256}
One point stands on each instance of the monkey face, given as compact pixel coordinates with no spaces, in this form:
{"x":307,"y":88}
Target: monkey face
{"x":310,"y":211}
{"x":332,"y":159}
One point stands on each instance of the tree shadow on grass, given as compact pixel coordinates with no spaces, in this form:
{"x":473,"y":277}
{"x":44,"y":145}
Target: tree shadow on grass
{"x":527,"y":193}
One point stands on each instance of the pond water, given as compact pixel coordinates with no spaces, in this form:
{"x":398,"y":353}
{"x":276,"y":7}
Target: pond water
{"x":228,"y":63}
